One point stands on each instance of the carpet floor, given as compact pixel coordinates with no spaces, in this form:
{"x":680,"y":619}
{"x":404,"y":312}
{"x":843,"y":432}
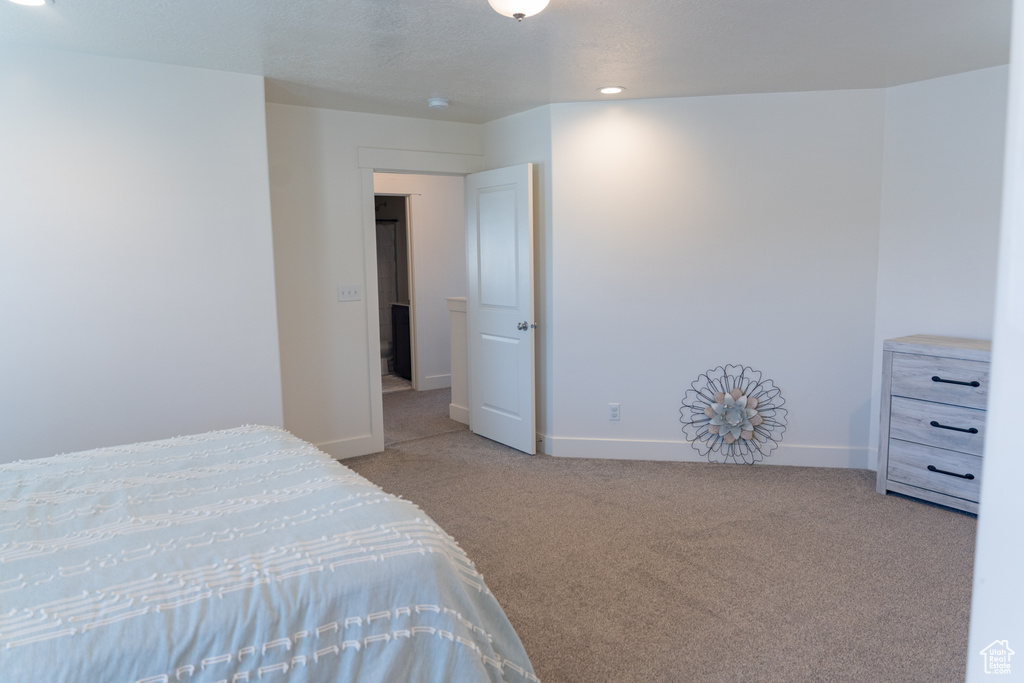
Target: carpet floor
{"x":655,"y":571}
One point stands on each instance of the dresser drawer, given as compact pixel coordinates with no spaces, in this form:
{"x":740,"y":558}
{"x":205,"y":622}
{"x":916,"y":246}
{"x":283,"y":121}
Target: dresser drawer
{"x":909,"y":463}
{"x":937,"y":424}
{"x":945,"y":380}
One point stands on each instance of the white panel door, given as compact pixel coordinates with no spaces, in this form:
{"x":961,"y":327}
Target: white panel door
{"x":499,"y":305}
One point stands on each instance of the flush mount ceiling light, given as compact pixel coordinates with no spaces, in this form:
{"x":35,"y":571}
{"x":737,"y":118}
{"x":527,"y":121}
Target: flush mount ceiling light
{"x":31,"y":3}
{"x":611,"y":90}
{"x":518,"y":9}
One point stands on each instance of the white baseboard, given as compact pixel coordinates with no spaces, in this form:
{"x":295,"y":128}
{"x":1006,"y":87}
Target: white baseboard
{"x":680,"y":451}
{"x":350,"y":448}
{"x":431,"y":382}
{"x":458,"y":413}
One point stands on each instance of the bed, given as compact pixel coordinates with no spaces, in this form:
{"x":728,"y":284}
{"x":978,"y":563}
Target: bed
{"x":236,"y":555}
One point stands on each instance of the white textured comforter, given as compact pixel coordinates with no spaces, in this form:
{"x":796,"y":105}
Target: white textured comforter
{"x":239,"y":555}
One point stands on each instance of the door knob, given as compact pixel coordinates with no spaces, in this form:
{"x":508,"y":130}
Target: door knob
{"x":523,"y":326}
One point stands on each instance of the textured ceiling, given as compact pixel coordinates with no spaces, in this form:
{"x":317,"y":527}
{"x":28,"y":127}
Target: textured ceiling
{"x":389,"y":56}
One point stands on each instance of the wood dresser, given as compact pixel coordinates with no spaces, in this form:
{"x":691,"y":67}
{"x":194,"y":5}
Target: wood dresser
{"x":932,"y":427}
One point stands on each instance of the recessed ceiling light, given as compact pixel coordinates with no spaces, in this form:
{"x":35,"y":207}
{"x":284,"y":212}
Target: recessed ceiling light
{"x":611,"y":90}
{"x":437,"y":103}
{"x":30,"y":3}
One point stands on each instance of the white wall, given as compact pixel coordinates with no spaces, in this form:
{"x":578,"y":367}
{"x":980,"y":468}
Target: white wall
{"x":687,"y":233}
{"x":317,"y":199}
{"x":998,"y":595}
{"x":136,"y":272}
{"x":518,"y":139}
{"x":941,"y":194}
{"x":690,"y":233}
{"x":438,"y":256}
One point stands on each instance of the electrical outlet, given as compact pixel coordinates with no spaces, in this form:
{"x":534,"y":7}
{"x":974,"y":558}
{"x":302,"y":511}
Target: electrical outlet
{"x":613,"y":412}
{"x":350,"y":292}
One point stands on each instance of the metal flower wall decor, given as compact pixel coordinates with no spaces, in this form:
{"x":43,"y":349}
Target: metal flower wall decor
{"x":731,"y":414}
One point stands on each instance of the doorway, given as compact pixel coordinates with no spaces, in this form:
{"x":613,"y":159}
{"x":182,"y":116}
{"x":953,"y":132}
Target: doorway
{"x":438,"y":235}
{"x":393,"y":292}
{"x":421,"y":260}
{"x":378,"y":167}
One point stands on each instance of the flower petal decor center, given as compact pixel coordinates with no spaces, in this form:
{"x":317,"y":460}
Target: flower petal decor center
{"x":732,"y":414}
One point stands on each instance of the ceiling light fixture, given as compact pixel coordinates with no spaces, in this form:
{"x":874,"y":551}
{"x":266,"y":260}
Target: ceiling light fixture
{"x":611,"y":90}
{"x":518,"y":9}
{"x":30,"y":3}
{"x":437,"y":103}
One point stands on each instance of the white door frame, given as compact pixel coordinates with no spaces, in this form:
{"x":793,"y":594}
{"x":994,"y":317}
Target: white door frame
{"x":380,"y":160}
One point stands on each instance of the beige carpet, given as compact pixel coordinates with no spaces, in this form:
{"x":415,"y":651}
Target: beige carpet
{"x":392,"y":383}
{"x":645,"y":571}
{"x":415,"y":414}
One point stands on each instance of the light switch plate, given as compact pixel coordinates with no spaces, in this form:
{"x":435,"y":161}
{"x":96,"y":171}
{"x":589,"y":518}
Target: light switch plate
{"x":350,"y":292}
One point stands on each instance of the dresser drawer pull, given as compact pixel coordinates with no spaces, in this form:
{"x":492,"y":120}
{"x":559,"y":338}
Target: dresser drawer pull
{"x":972,"y":430}
{"x":933,"y":468}
{"x":975,"y":383}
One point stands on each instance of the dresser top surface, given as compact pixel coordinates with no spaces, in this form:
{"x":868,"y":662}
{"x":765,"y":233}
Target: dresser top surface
{"x":950,"y":347}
